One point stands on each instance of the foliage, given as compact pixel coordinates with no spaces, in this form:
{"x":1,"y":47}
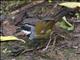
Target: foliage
{"x":7,"y":6}
{"x":65,"y":24}
{"x":10,"y":38}
{"x":70,"y":4}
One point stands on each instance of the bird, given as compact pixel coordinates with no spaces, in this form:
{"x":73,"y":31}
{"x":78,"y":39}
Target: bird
{"x":37,"y":31}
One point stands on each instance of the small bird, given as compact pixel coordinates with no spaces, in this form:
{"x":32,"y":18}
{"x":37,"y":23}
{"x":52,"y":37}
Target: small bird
{"x":39,"y":31}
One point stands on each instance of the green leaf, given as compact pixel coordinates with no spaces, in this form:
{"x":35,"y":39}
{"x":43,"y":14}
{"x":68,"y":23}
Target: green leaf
{"x":78,"y":15}
{"x":10,"y":38}
{"x":65,"y":25}
{"x":70,"y":4}
{"x":49,"y":1}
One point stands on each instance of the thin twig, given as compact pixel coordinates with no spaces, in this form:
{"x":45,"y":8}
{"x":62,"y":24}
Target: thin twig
{"x":54,"y":42}
{"x":48,"y":42}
